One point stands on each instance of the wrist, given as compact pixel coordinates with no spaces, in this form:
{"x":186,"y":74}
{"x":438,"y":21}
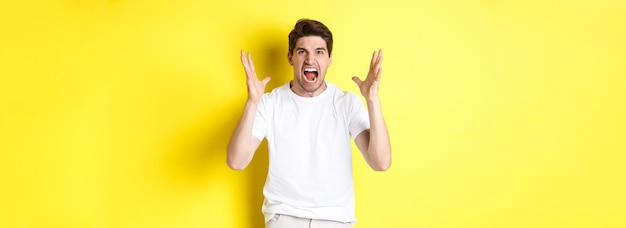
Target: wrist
{"x":372,"y":100}
{"x":252,"y":101}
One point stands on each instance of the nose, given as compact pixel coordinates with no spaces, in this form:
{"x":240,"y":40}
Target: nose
{"x":309,"y":58}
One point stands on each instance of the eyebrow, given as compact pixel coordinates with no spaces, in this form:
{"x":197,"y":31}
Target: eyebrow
{"x":317,"y":49}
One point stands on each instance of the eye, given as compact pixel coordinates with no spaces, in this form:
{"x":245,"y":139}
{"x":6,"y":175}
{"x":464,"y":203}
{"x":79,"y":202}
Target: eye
{"x":300,"y":52}
{"x":320,"y":52}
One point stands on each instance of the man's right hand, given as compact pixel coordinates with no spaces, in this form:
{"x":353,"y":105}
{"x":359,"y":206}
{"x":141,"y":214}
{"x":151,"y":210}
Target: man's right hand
{"x":256,"y":87}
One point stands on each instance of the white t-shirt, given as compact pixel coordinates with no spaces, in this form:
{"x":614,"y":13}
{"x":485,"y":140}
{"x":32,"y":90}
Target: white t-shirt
{"x":310,"y":161}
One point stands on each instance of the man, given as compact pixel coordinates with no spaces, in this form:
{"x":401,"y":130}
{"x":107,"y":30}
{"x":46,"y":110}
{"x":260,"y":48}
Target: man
{"x":308,"y":123}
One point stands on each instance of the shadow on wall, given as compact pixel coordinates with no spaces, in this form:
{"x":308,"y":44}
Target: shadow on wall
{"x":270,"y":59}
{"x":201,"y":149}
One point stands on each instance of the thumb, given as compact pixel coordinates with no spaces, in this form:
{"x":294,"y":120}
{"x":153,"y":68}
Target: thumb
{"x":266,"y":80}
{"x":357,"y":80}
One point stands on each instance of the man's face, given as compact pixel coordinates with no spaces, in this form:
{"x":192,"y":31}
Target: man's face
{"x":310,"y":59}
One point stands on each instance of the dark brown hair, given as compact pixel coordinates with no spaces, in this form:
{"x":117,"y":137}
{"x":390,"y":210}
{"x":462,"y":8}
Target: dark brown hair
{"x":308,"y":27}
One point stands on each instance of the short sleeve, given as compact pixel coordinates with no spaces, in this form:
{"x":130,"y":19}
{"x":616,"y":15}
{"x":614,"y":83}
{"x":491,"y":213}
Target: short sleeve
{"x":359,"y":118}
{"x":259,"y":127}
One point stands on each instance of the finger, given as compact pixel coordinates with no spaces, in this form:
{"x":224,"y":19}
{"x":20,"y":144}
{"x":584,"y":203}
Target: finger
{"x":357,"y":81}
{"x":373,"y":61}
{"x":266,"y":80}
{"x":378,"y":74}
{"x":379,"y":59}
{"x":244,"y":62}
{"x":250,"y":61}
{"x":246,"y":65}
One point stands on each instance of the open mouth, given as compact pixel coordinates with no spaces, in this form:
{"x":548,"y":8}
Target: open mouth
{"x":310,"y":74}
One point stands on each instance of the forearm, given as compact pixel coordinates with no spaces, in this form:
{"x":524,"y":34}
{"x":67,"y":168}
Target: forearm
{"x":241,"y":146}
{"x":379,"y":148}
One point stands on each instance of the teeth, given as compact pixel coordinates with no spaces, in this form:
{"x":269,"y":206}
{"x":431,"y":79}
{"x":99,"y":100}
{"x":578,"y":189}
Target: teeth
{"x":310,"y":70}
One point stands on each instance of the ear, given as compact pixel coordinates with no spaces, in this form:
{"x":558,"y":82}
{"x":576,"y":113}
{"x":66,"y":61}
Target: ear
{"x":330,"y":60}
{"x":289,"y":58}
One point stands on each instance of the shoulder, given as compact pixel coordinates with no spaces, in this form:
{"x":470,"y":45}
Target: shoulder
{"x":270,"y":100}
{"x":276,"y":93}
{"x":342,"y":95}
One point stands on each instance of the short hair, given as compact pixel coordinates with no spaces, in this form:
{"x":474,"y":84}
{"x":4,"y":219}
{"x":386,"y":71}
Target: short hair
{"x":307,"y":27}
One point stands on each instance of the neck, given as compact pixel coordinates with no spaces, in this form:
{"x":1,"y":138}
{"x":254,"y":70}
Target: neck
{"x":303,"y":93}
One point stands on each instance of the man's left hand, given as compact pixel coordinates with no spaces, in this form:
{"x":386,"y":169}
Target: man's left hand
{"x":369,"y":87}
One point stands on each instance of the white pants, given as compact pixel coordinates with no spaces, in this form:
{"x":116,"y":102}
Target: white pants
{"x":287,"y":221}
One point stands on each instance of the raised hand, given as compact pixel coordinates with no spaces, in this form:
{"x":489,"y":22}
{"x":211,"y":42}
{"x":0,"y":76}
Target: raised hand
{"x":369,"y":87}
{"x":256,"y":87}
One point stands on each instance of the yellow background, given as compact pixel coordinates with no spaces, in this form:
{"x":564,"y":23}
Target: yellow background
{"x":501,"y":113}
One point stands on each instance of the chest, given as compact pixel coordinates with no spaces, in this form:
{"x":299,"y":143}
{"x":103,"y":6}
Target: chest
{"x":304,"y":122}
